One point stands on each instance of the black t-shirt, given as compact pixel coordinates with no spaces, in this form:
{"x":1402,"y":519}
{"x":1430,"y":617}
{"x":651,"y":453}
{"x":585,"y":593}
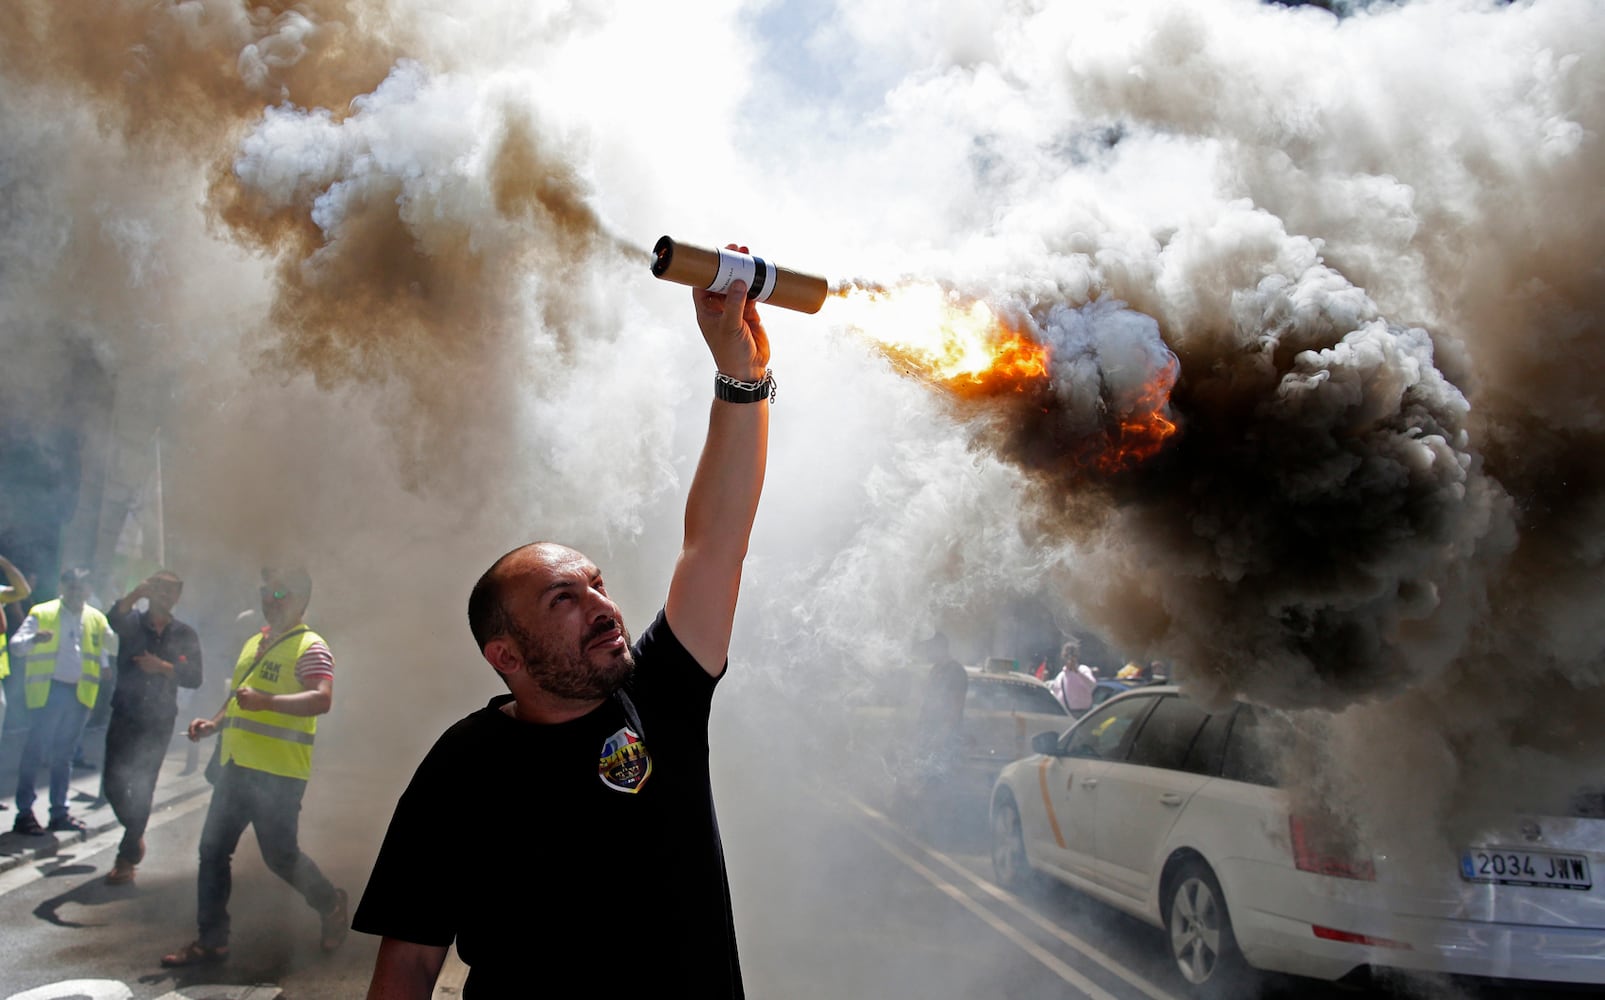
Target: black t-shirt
{"x":540,"y":848}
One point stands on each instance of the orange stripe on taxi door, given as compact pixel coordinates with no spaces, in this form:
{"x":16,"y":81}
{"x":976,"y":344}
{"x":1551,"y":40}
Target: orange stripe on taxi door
{"x":1047,"y":802}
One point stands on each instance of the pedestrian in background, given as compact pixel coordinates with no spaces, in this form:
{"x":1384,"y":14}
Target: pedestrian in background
{"x":598,"y":758}
{"x":156,"y":655}
{"x":16,"y":590}
{"x":941,"y":716}
{"x":283,"y":681}
{"x":62,"y":646}
{"x":1075,"y":680}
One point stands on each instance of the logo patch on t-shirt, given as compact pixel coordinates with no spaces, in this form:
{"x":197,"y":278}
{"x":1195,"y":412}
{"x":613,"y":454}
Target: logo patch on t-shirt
{"x":625,"y":765}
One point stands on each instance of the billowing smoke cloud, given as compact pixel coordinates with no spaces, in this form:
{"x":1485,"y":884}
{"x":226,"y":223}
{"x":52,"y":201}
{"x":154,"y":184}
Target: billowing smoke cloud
{"x":349,"y":290}
{"x":1374,"y":258}
{"x":410,"y":234}
{"x":1306,"y":501}
{"x":360,"y":259}
{"x":190,"y":73}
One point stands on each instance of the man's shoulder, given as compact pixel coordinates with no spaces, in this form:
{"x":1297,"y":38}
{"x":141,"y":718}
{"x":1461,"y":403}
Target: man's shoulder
{"x":466,"y":738}
{"x":658,"y":643}
{"x":475,"y":726}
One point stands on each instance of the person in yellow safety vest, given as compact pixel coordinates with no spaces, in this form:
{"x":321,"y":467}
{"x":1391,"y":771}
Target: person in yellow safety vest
{"x":61,"y":647}
{"x":283,"y":681}
{"x":16,"y":590}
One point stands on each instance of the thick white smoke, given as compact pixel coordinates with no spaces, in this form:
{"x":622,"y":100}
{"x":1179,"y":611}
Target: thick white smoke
{"x":373,"y":269}
{"x":1352,"y":229}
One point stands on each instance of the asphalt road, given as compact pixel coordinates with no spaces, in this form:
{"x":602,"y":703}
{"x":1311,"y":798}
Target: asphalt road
{"x":834,"y":898}
{"x":60,"y":922}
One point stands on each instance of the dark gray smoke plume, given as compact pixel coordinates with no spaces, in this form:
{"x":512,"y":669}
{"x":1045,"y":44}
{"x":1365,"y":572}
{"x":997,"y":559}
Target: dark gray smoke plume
{"x":354,"y":261}
{"x":1381,"y":499}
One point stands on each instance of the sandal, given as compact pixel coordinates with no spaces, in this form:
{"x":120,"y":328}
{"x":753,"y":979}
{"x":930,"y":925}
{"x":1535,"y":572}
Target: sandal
{"x":336,"y":923}
{"x":195,"y":953}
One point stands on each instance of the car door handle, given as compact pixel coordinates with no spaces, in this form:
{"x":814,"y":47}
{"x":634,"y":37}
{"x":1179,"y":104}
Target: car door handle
{"x":1089,"y":782}
{"x":1170,"y":799}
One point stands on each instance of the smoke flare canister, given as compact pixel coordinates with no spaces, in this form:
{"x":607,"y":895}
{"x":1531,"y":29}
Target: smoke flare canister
{"x":701,"y":267}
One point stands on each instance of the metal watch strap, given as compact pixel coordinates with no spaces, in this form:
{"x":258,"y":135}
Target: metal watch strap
{"x":733,"y":390}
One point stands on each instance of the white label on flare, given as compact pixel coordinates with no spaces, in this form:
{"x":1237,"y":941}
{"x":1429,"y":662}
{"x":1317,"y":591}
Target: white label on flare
{"x":755,"y":271}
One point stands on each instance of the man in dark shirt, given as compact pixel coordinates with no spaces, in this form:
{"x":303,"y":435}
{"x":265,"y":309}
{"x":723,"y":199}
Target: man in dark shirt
{"x":156,"y":655}
{"x":597,"y":762}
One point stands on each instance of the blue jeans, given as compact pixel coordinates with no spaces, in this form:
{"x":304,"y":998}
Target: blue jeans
{"x":272,"y":804}
{"x":53,"y":730}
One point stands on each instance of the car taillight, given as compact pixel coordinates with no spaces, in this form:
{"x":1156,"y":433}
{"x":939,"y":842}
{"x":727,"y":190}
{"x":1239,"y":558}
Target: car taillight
{"x":1309,"y":858}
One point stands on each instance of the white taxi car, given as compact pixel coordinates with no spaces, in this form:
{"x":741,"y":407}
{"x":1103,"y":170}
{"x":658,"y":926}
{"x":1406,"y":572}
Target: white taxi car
{"x":1169,"y":813}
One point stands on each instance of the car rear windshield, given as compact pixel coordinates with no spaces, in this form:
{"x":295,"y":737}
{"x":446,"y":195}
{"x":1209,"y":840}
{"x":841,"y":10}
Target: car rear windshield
{"x":996,"y":696}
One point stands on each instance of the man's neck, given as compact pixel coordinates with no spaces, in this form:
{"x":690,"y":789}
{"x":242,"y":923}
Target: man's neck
{"x":76,"y":608}
{"x":158,"y":620}
{"x":275,"y":631}
{"x":546,"y":709}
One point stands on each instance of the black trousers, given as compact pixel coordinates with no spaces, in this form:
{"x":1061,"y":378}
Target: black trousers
{"x":135,"y":748}
{"x":272,"y":804}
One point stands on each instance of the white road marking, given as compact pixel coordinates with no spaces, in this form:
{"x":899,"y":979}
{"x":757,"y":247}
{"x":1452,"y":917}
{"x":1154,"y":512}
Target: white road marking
{"x":1107,"y":962}
{"x":1025,"y":944}
{"x":73,"y":852}
{"x":211,"y":992}
{"x":88,"y":989}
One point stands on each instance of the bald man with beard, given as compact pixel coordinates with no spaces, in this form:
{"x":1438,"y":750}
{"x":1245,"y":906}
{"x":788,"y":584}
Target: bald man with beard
{"x":589,"y":780}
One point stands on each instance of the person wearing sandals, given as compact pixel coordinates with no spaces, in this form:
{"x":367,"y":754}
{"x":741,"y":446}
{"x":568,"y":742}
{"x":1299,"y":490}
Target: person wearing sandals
{"x":156,"y":655}
{"x":608,"y":858}
{"x":283,"y":681}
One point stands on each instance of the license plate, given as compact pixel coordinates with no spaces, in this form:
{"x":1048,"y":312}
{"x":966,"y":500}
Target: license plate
{"x":1507,"y":867}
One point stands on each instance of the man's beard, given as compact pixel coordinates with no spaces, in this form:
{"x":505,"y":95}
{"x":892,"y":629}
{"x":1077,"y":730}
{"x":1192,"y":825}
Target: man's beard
{"x":569,"y":673}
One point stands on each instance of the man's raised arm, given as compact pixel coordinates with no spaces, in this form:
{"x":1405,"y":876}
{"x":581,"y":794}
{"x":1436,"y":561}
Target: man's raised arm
{"x":723,"y":499}
{"x":16,"y":588}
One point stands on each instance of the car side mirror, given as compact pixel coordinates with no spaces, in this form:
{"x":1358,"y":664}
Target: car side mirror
{"x":1046,"y":744}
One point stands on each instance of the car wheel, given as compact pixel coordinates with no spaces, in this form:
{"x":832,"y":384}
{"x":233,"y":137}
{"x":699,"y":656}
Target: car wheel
{"x":1009,"y":863}
{"x":1201,"y":940}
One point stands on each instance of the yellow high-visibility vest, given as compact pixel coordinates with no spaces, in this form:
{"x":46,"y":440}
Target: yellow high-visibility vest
{"x":39,"y":662}
{"x":271,"y":741}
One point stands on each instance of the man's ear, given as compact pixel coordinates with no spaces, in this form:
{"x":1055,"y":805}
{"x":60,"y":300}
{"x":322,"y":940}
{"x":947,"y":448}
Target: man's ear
{"x":503,"y":656}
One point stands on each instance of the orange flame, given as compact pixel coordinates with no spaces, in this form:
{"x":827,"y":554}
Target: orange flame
{"x":963,"y":346}
{"x":935,"y":335}
{"x":1138,"y":434}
